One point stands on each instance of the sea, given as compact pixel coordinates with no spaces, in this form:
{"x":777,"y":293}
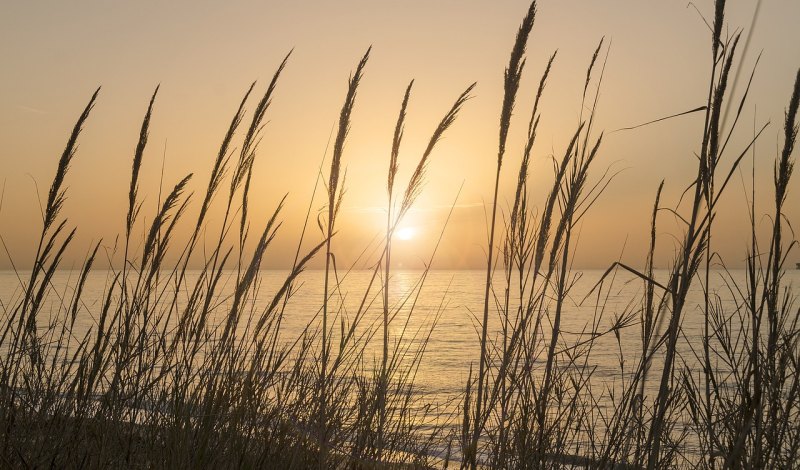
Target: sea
{"x":442,"y":310}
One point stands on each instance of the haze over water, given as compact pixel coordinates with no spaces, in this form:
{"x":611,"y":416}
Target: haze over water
{"x":452,"y":299}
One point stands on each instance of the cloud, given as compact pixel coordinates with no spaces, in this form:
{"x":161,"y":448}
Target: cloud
{"x":432,"y":208}
{"x":30,"y":109}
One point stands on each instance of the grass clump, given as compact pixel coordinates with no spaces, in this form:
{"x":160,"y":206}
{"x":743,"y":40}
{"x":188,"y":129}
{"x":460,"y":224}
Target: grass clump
{"x":191,"y":368}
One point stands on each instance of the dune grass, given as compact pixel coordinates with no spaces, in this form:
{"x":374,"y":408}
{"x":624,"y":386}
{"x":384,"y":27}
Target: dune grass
{"x":182,"y":369}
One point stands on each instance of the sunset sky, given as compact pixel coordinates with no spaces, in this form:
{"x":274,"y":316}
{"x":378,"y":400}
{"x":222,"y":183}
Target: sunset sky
{"x":205,"y":54}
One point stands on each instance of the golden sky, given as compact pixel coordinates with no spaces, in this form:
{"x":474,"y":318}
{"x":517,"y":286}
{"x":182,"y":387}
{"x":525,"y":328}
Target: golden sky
{"x":205,"y":54}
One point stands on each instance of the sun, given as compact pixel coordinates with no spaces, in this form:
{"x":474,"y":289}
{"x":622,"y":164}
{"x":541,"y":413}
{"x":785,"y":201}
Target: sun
{"x":406,"y":233}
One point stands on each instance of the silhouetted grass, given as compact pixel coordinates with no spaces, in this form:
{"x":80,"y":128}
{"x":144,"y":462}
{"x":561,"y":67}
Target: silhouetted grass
{"x":181,"y":368}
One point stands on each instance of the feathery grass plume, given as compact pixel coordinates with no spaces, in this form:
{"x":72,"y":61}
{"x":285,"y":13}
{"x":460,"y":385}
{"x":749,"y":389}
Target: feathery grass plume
{"x":164,"y":237}
{"x":55,"y":201}
{"x":713,"y":156}
{"x":757,"y":434}
{"x":590,"y":121}
{"x":521,"y":436}
{"x":87,"y":267}
{"x":515,"y":239}
{"x":778,"y":302}
{"x":716,"y":109}
{"x":298,"y":269}
{"x":162,"y":218}
{"x":392,"y":173}
{"x":243,"y":221}
{"x":560,"y":254}
{"x":785,"y":166}
{"x":344,"y":130}
{"x":512,"y":76}
{"x":55,"y":198}
{"x":36,"y":302}
{"x":220,"y":165}
{"x":522,"y":177}
{"x":243,"y":169}
{"x":252,"y":138}
{"x":716,"y":33}
{"x":719,"y":20}
{"x":334,"y":199}
{"x":414,"y":186}
{"x":255,"y":263}
{"x":550,"y":204}
{"x":413,"y":189}
{"x":133,"y":208}
{"x":219,"y":168}
{"x":398,"y":137}
{"x":697,"y":236}
{"x":742,"y":102}
{"x":591,"y":66}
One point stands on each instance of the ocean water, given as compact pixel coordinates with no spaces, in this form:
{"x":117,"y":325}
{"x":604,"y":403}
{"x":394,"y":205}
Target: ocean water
{"x":447,"y":307}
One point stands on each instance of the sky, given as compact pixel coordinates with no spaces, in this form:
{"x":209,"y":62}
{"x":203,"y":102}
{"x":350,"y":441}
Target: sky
{"x":205,"y":54}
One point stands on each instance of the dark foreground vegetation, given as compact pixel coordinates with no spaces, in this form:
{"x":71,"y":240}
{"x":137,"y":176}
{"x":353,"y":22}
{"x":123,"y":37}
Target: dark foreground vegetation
{"x":178,"y":372}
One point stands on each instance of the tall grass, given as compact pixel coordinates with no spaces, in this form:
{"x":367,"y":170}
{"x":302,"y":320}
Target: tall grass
{"x":534,"y":400}
{"x":193,"y":368}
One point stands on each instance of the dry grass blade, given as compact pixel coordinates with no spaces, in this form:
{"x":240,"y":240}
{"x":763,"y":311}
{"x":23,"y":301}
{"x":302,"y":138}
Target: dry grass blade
{"x":252,"y":138}
{"x":334,"y":200}
{"x":785,"y":165}
{"x":55,"y":198}
{"x":162,"y":218}
{"x":398,"y":137}
{"x":344,"y":129}
{"x":133,"y":208}
{"x":415,"y":182}
{"x":512,"y":76}
{"x":220,"y":162}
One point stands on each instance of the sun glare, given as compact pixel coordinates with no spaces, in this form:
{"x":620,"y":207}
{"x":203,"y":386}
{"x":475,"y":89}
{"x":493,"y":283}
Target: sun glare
{"x":405,"y":233}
